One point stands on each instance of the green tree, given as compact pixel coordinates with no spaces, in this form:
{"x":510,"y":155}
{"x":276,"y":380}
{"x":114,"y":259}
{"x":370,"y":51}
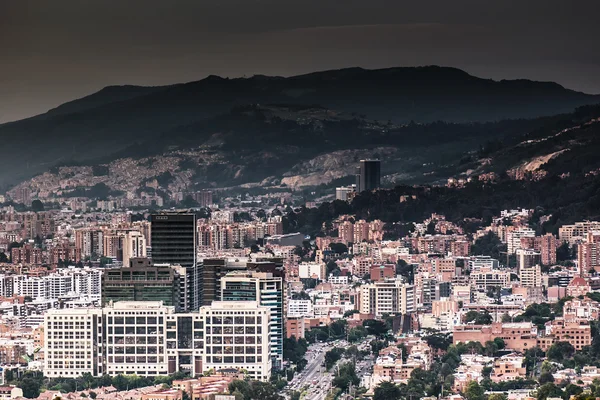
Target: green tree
{"x":333,"y":356}
{"x":560,"y":351}
{"x":377,"y":346}
{"x":548,"y":390}
{"x":338,"y":248}
{"x":387,"y":391}
{"x":37,"y":205}
{"x":31,"y":387}
{"x":346,"y":376}
{"x":474,"y":391}
{"x":479,"y":318}
{"x":491,"y":348}
{"x":545,"y":377}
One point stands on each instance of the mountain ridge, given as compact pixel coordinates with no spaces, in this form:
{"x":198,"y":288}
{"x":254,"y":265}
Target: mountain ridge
{"x":117,"y":117}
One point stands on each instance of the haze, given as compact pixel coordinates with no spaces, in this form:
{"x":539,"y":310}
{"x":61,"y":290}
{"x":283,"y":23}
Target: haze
{"x":52,"y":52}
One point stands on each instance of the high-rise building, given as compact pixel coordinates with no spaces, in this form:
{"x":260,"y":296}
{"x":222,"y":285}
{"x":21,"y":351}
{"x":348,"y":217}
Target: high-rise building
{"x":141,"y":281}
{"x":370,"y":175}
{"x":213,"y":270}
{"x":134,"y":245}
{"x":73,"y":342}
{"x":90,"y":241}
{"x":531,"y":276}
{"x":267,"y":290}
{"x":174,"y":242}
{"x":527,"y":258}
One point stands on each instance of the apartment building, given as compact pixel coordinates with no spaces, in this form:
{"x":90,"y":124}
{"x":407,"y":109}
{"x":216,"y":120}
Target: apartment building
{"x":577,"y":232}
{"x":312,"y":270}
{"x":387,"y":297}
{"x":531,"y":276}
{"x":485,"y":277}
{"x":300,"y":308}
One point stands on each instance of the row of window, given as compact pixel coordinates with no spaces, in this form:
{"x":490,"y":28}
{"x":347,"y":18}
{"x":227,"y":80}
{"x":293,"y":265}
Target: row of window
{"x":234,"y":350}
{"x":231,"y":359}
{"x":238,"y":330}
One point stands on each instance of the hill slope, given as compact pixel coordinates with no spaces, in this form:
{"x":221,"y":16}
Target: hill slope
{"x":102,"y":124}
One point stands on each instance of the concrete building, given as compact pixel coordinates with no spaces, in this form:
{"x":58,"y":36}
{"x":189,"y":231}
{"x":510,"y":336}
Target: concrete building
{"x":134,"y":246}
{"x":238,"y":338}
{"x":527,"y":258}
{"x":299,"y":308}
{"x":73,"y":340}
{"x":518,"y":336}
{"x":343,"y":193}
{"x":312,"y":270}
{"x":147,"y":338}
{"x":174,"y":242}
{"x":531,"y":276}
{"x":267,"y":290}
{"x":387,"y":297}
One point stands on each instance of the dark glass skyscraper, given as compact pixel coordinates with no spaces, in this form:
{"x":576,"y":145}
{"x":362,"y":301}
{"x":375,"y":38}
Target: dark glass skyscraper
{"x":174,"y":242}
{"x":370,"y":175}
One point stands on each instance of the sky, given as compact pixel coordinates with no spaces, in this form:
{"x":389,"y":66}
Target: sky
{"x":59,"y":50}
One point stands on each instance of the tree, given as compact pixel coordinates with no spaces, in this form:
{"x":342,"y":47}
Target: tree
{"x":500,"y":343}
{"x":346,"y":376}
{"x":376,"y":327}
{"x":474,"y":391}
{"x":377,"y":346}
{"x":3,"y":258}
{"x":31,"y":387}
{"x":479,"y":318}
{"x":338,"y":248}
{"x":548,"y":390}
{"x":37,"y":205}
{"x":545,"y":377}
{"x":560,"y":351}
{"x":333,"y":356}
{"x":490,"y":348}
{"x":387,"y":391}
{"x":93,"y":395}
{"x":496,"y":396}
{"x":572,"y":390}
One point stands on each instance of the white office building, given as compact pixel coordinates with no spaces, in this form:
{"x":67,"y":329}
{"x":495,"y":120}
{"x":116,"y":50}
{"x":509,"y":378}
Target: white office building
{"x":73,"y":343}
{"x":300,"y":308}
{"x":237,"y":336}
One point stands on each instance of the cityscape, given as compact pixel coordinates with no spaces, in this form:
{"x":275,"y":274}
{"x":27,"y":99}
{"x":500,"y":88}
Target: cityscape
{"x":233,"y":200}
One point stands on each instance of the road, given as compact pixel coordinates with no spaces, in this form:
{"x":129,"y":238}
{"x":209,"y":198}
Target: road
{"x":314,"y":381}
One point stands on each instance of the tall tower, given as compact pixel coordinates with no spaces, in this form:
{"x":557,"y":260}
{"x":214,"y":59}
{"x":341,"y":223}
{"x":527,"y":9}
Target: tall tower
{"x":174,"y":242}
{"x":370,"y":175}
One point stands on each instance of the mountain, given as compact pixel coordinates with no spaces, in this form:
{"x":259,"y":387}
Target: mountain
{"x":565,"y":145}
{"x":100,"y":127}
{"x":274,"y":147}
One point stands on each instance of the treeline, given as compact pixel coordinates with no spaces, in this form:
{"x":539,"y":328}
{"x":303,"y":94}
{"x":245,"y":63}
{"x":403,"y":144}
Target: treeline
{"x":567,"y":200}
{"x":32,"y":383}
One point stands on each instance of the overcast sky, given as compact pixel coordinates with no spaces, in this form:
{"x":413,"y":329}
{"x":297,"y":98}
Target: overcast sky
{"x":54,"y":51}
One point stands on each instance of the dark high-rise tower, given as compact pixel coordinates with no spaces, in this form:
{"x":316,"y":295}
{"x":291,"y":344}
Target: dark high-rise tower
{"x":370,"y":175}
{"x":174,"y":242}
